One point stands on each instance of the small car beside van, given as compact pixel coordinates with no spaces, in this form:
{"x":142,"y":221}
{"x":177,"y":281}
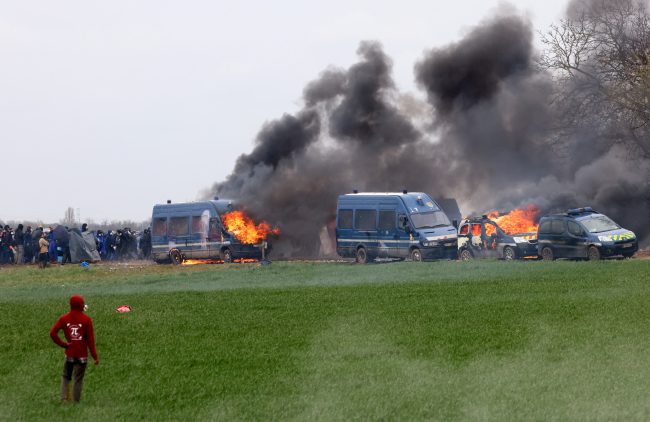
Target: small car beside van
{"x":403,"y":225}
{"x":194,"y":230}
{"x":583,"y":233}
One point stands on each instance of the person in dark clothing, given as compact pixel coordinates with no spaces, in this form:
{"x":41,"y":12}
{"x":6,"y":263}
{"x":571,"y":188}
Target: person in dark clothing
{"x":66,"y":250}
{"x":80,"y":337}
{"x":27,"y":246}
{"x":84,"y":227}
{"x":52,"y":248}
{"x":119,"y":245}
{"x":145,"y":243}
{"x":18,"y":244}
{"x":6,"y":243}
{"x":110,"y":246}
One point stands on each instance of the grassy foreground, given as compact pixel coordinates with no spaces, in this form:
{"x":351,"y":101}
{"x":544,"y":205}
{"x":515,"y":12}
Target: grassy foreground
{"x":316,"y":341}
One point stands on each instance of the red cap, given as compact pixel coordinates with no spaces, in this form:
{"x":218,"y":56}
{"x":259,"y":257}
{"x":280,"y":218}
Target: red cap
{"x":77,"y":303}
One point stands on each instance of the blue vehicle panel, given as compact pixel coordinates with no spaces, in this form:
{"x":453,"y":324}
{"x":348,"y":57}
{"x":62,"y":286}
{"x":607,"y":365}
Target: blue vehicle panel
{"x":393,"y":225}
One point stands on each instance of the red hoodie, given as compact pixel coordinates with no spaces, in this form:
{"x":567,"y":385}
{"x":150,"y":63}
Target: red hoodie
{"x":78,"y":330}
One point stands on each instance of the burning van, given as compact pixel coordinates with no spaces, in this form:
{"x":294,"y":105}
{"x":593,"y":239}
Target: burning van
{"x":207,"y":230}
{"x":482,"y":237}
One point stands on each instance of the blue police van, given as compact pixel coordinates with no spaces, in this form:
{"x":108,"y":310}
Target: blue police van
{"x":583,"y":233}
{"x":393,"y":225}
{"x":194,"y":230}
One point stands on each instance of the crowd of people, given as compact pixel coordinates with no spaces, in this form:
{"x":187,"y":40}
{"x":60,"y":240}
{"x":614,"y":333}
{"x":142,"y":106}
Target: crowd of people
{"x":24,"y":245}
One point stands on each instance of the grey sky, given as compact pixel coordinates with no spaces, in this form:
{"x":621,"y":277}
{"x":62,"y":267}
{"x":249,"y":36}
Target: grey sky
{"x":110,"y":107}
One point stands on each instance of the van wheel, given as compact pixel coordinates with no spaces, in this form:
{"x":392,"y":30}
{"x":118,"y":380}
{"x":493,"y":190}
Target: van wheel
{"x":416,"y":255}
{"x":226,"y":256}
{"x":509,"y":254}
{"x":176,"y":257}
{"x":547,"y":254}
{"x":465,"y":255}
{"x":362,"y":255}
{"x":593,"y":254}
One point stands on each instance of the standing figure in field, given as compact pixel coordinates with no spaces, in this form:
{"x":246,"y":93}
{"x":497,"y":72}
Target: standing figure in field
{"x":19,"y":248}
{"x":80,"y":337}
{"x":43,"y":247}
{"x":27,"y":246}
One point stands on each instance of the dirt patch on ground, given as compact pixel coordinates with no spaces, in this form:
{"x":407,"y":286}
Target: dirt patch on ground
{"x":643,"y":254}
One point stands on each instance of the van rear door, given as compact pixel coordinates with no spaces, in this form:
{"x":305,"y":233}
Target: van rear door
{"x":159,"y":239}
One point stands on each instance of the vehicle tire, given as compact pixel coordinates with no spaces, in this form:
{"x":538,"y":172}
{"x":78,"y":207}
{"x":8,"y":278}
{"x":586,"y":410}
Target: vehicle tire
{"x":176,"y":257}
{"x":593,"y":254}
{"x":465,"y":255}
{"x":509,"y":254}
{"x":226,"y":256}
{"x":416,"y":255}
{"x":362,"y":256}
{"x":547,"y":254}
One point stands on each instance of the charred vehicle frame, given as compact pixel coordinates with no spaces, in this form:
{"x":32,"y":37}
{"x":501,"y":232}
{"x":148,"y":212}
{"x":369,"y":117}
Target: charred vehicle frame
{"x":480,"y":237}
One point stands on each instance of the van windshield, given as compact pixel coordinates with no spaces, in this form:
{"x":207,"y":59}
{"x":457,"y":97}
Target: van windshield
{"x":599,"y":224}
{"x":430,"y":220}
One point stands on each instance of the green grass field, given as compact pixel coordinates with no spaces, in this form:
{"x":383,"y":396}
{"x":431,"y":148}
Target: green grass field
{"x":334,"y":341}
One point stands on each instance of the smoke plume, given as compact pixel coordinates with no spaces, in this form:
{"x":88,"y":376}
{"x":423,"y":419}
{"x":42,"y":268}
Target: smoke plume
{"x":483,"y":136}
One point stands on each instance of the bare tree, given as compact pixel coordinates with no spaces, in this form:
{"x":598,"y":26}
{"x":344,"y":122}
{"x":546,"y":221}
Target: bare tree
{"x":600,"y":58}
{"x":68,"y":218}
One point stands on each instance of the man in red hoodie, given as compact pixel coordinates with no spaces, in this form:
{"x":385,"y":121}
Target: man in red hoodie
{"x":78,"y":330}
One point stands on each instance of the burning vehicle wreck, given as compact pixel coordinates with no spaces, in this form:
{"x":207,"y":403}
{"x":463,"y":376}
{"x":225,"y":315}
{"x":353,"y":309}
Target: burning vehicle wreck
{"x":483,"y":237}
{"x":206,"y":231}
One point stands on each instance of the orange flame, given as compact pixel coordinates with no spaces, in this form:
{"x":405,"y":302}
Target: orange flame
{"x":519,"y":220}
{"x":216,"y":261}
{"x":201,"y":261}
{"x":244,"y":228}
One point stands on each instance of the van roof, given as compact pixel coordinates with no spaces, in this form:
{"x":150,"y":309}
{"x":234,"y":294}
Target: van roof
{"x":383,"y":194}
{"x":221,"y":205}
{"x":575,"y":213}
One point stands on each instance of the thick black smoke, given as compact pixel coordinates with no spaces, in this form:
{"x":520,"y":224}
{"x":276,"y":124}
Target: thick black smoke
{"x":350,"y":134}
{"x":486,"y":139}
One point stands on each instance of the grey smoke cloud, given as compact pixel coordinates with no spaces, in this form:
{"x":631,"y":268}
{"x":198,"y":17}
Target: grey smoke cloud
{"x":487,"y":141}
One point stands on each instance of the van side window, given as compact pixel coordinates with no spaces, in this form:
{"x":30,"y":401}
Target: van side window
{"x":476,"y":229}
{"x":387,"y":220}
{"x":345,"y":219}
{"x":365,"y":220}
{"x":464,"y":230}
{"x":215,"y":228}
{"x":545,"y":227}
{"x":197,"y":225}
{"x":557,"y":226}
{"x":159,"y":226}
{"x":575,"y":229}
{"x":179,"y":226}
